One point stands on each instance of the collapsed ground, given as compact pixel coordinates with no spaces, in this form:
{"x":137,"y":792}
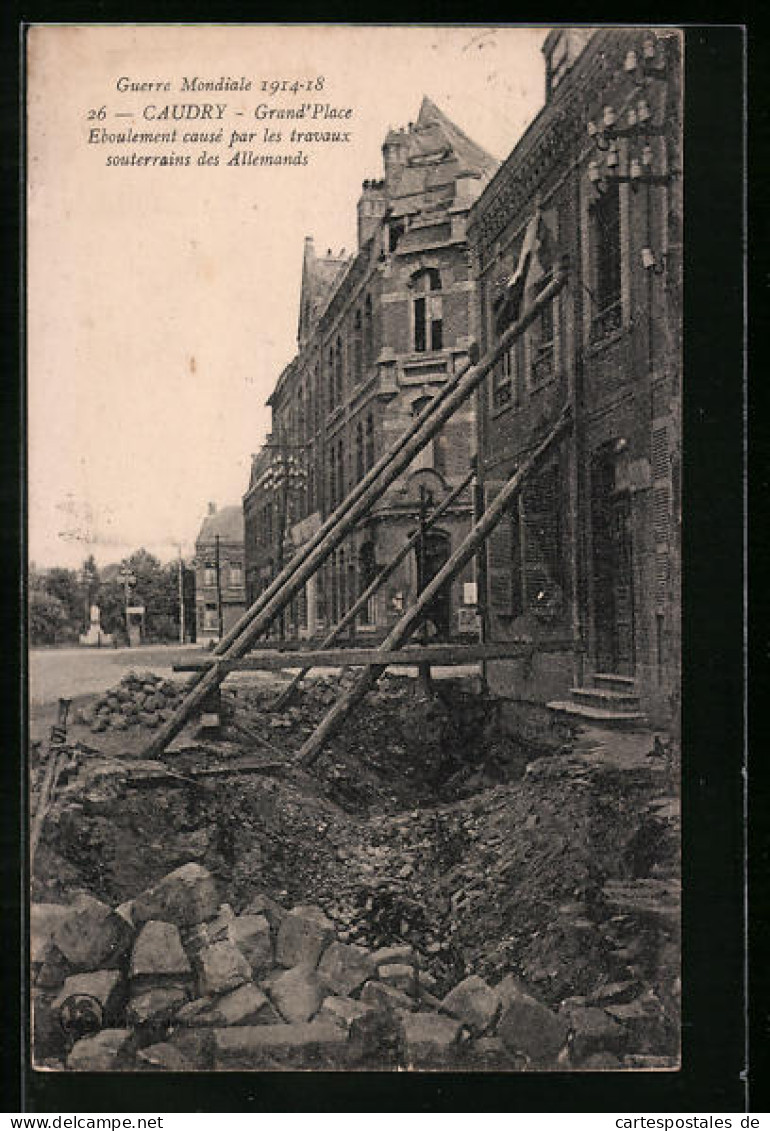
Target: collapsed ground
{"x":420,"y":824}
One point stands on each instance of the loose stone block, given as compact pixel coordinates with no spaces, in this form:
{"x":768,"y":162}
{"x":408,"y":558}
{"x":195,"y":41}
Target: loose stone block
{"x":303,"y":936}
{"x":376,"y":1039}
{"x":164,"y":1057}
{"x":221,"y":967}
{"x":386,"y":997}
{"x":247,"y":1005}
{"x":44,"y":919}
{"x":262,"y":904}
{"x":594,"y":1031}
{"x":185,"y":896}
{"x":253,"y":937}
{"x":529,"y":1028}
{"x":155,"y":1005}
{"x":104,"y":1052}
{"x":430,"y":1038}
{"x":298,"y":993}
{"x":104,"y":986}
{"x":390,"y":955}
{"x":345,"y":967}
{"x":92,"y":936}
{"x":314,"y":1044}
{"x":400,"y":976}
{"x":342,"y":1010}
{"x":158,"y":952}
{"x":474,"y":1002}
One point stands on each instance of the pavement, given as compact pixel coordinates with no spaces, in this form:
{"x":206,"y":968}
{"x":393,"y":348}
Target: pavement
{"x":56,"y":673}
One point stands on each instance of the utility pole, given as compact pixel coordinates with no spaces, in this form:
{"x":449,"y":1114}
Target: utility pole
{"x":181,"y":596}
{"x":219,"y":587}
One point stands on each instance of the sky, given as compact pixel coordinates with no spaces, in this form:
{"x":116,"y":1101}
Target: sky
{"x":162,"y":301}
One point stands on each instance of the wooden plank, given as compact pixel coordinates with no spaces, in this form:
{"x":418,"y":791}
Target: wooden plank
{"x":441,"y":655}
{"x":270,"y":604}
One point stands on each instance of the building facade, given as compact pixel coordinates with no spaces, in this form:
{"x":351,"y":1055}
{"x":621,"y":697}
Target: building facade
{"x":586,"y":563}
{"x":379,"y":333}
{"x":220,"y":594}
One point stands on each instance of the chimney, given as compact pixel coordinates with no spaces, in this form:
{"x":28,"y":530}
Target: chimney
{"x":212,"y":508}
{"x":371,"y":208}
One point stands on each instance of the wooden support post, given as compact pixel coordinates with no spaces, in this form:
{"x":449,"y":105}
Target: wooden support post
{"x":377,"y":583}
{"x":290,"y":581}
{"x":408,"y":622}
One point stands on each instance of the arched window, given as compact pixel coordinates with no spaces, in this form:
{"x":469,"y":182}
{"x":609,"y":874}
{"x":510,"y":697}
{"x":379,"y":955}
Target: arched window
{"x":368,"y":331}
{"x":360,"y":465}
{"x":369,"y":442}
{"x":338,"y":372}
{"x":428,"y":324}
{"x":357,"y":349}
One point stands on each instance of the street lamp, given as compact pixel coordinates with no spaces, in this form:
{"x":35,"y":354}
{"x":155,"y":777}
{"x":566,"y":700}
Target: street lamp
{"x":128,"y":577}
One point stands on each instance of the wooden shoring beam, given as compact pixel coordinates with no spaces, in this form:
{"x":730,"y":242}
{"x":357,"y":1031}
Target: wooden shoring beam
{"x":336,"y":528}
{"x":409,"y":621}
{"x":437,"y":655}
{"x":376,"y":584}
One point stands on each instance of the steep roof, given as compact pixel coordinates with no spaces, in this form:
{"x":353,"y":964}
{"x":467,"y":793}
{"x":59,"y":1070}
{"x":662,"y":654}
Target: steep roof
{"x":227,"y":523}
{"x":319,"y":278}
{"x":433,"y":127}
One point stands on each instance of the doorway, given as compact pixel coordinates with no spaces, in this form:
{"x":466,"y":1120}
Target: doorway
{"x":431,"y":555}
{"x":613,"y":589}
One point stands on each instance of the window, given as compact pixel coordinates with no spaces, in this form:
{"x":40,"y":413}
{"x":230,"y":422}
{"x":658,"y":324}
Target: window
{"x":338,"y":372}
{"x":210,"y":575}
{"x":210,"y":618}
{"x":368,"y":332}
{"x":605,"y":238}
{"x":369,"y":442}
{"x":428,"y":326}
{"x":504,"y":380}
{"x":367,"y":570}
{"x":542,"y":537}
{"x":330,"y":380}
{"x":360,"y":466}
{"x":542,"y":341}
{"x":395,"y":232}
{"x":357,"y":353}
{"x":236,"y":573}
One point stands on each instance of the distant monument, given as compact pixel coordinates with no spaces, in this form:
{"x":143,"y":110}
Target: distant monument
{"x":94,"y":638}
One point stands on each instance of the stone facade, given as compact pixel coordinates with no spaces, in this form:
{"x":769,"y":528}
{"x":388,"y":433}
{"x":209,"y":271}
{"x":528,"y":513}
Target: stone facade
{"x":590,"y":553}
{"x":379,"y":334}
{"x":225,"y":528}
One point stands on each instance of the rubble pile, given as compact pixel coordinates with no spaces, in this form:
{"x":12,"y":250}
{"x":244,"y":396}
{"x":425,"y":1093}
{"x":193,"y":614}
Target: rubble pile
{"x":175,"y":980}
{"x":141,"y":699}
{"x":561,"y":878}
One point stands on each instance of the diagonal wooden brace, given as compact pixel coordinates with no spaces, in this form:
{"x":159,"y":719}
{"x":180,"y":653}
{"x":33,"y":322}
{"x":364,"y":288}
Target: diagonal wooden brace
{"x":401,"y":631}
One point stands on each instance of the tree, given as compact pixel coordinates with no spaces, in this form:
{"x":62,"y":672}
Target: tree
{"x":65,"y":585}
{"x":48,"y":621}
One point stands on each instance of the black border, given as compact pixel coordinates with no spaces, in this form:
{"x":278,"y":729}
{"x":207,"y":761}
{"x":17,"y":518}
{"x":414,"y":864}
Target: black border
{"x":713,"y":1032}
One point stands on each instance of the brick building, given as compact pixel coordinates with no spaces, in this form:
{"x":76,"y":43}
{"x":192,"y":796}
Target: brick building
{"x":379,"y":333}
{"x":220,"y":598}
{"x":590,"y":553}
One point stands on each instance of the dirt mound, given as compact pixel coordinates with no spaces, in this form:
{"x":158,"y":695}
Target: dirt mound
{"x":414,"y":829}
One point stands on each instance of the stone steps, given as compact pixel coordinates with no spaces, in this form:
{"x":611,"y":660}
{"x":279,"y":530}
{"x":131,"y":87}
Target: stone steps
{"x":612,"y":701}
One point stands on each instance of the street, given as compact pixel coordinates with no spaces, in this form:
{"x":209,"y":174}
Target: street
{"x":56,"y":673}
